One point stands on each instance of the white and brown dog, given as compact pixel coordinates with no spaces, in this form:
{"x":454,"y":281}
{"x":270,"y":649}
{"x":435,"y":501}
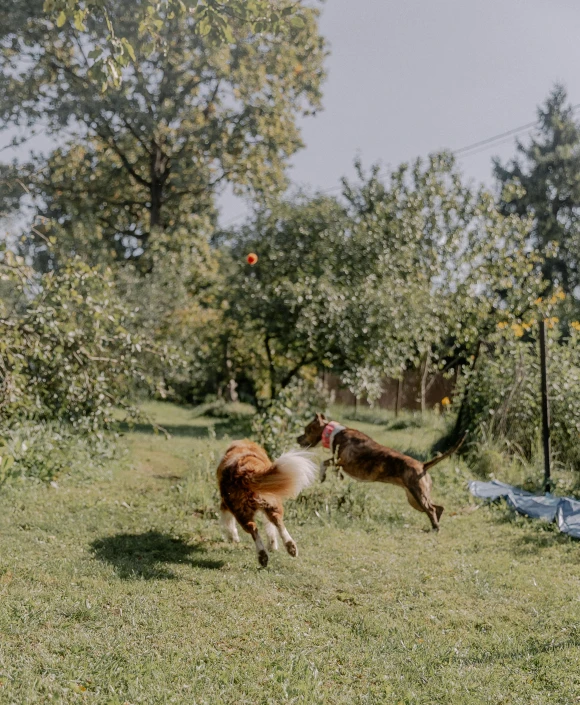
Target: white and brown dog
{"x":250,"y":482}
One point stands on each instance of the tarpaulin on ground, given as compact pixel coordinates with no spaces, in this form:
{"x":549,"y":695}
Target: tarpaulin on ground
{"x":568,"y":517}
{"x":563,"y":510}
{"x":495,"y":490}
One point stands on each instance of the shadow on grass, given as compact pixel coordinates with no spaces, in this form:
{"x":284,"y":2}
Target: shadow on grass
{"x":146,"y":556}
{"x":536,"y":533}
{"x":233,"y":428}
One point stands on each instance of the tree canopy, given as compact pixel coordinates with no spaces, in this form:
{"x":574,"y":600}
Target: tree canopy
{"x":415,"y":268}
{"x":149,"y":154}
{"x":543,"y":182}
{"x":212,"y":19}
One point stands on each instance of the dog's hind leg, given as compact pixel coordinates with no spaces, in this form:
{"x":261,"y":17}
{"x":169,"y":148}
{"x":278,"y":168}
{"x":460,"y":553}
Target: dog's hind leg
{"x":275,"y":515}
{"x":260,"y":549}
{"x":271,"y":533}
{"x":228,"y":523}
{"x":248,"y":524}
{"x":423,"y":504}
{"x":412,"y":500}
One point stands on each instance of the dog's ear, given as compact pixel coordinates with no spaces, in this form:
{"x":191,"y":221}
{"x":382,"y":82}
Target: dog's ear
{"x":321,"y":418}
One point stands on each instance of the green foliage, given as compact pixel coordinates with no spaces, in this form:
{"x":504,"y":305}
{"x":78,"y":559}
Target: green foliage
{"x":432,"y":265}
{"x":45,"y":451}
{"x":290,"y":305}
{"x":66,"y":352}
{"x":214,"y":20}
{"x":412,"y":270}
{"x":283,"y":419}
{"x":501,"y":401}
{"x":149,"y":154}
{"x":6,"y":464}
{"x":543,"y":182}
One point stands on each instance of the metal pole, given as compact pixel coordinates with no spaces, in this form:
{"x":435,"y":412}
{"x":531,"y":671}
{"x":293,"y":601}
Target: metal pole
{"x":545,"y":408}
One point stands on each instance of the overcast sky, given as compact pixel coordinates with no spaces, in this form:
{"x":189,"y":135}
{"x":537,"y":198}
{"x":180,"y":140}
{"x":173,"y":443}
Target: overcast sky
{"x":407,"y":77}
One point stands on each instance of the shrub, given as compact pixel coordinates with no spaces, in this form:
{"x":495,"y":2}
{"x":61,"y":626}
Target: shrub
{"x":66,"y":350}
{"x":501,"y":397}
{"x":284,"y":418}
{"x":46,"y":451}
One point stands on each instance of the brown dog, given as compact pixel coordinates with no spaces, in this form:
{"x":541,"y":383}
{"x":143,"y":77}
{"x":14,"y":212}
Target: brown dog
{"x":364,"y":459}
{"x":250,"y":482}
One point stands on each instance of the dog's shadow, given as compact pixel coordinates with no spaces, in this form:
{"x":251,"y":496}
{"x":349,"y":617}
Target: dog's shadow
{"x":146,"y":556}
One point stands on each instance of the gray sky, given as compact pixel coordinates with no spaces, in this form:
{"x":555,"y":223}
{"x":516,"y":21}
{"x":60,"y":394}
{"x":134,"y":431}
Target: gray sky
{"x":408,"y":77}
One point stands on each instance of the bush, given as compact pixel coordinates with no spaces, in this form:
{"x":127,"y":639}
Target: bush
{"x":66,"y":350}
{"x":501,"y":397}
{"x":46,"y":451}
{"x":283,"y":419}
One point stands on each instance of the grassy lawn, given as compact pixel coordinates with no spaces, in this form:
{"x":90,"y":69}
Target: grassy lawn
{"x":119,"y":588}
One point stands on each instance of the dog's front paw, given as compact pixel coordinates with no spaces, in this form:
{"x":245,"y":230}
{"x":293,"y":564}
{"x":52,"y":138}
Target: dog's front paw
{"x":322,"y":471}
{"x":263,"y":558}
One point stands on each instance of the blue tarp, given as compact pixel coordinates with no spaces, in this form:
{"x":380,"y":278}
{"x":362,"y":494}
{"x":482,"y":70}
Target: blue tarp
{"x":568,"y":517}
{"x":495,"y":490}
{"x":564,"y":510}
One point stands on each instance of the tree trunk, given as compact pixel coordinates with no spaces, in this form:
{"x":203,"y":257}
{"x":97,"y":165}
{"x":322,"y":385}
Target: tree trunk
{"x":159,"y":173}
{"x":424,"y":376}
{"x":156,"y":203}
{"x":399,"y":396}
{"x":271,"y":368}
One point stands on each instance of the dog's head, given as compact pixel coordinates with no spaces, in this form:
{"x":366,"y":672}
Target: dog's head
{"x":313,"y":432}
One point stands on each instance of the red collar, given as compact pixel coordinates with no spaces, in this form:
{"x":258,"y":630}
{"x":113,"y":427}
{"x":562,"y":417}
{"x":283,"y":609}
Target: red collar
{"x":329,"y":432}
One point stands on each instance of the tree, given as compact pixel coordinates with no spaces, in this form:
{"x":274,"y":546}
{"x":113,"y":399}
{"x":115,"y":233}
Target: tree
{"x":433,"y":267}
{"x":290,"y":305}
{"x":149,"y":154}
{"x":213,"y":19}
{"x":543,"y":182}
{"x":412,"y":270}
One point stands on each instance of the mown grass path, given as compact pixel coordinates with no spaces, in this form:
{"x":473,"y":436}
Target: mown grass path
{"x":118,"y":588}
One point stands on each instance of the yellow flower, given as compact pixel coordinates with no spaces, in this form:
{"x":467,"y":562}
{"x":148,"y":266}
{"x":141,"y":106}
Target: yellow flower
{"x":445,"y":401}
{"x":560,"y":295}
{"x":538,"y":301}
{"x":575,"y":325}
{"x":518,"y":330}
{"x":501,"y":325}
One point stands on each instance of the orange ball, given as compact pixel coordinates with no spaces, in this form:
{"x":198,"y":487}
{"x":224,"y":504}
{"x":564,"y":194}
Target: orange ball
{"x":252,"y":258}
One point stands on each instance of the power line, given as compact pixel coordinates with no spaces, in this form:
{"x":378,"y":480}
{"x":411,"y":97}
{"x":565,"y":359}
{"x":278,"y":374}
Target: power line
{"x":467,"y":151}
{"x":490,"y":141}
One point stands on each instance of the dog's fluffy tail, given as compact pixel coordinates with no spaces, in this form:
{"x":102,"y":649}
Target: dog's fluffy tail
{"x":438,"y":458}
{"x":287,"y":476}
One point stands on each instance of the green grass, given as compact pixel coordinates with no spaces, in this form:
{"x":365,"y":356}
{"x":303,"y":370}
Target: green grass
{"x":119,"y":589}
